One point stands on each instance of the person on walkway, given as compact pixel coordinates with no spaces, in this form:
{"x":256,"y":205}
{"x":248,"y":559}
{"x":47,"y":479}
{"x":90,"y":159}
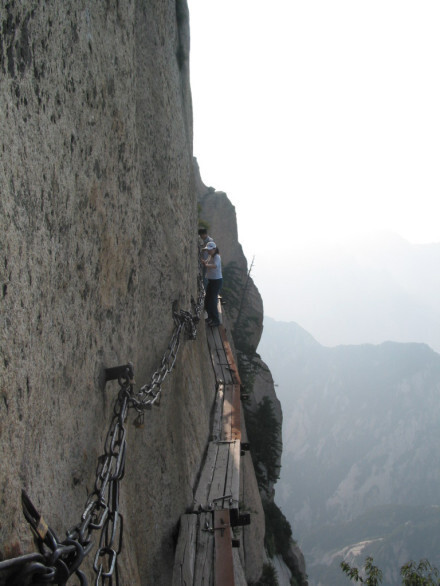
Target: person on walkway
{"x":214,"y":275}
{"x":203,"y":235}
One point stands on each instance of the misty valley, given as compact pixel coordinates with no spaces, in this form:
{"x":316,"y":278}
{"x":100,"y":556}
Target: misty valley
{"x":360,"y":465}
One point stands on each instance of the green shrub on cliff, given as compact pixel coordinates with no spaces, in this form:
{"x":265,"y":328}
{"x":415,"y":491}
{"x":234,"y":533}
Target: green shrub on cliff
{"x":264,"y":433}
{"x":278,"y":530}
{"x":268,"y":577}
{"x":413,"y":574}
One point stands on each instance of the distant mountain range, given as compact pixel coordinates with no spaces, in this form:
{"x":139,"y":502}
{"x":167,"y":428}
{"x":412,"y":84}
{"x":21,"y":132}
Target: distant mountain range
{"x":369,"y":290}
{"x":361,"y":463}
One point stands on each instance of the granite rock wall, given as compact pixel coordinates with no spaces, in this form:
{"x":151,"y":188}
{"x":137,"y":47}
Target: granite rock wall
{"x":98,"y":231}
{"x":98,"y":240}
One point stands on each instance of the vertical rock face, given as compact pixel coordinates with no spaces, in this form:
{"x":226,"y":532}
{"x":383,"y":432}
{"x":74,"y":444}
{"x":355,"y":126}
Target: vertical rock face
{"x":98,"y":238}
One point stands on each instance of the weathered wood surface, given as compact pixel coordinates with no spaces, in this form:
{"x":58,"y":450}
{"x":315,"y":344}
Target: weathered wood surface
{"x":230,"y":357}
{"x":219,"y":482}
{"x":219,"y":359}
{"x":201,"y":496}
{"x":221,"y":363}
{"x":184,"y":559}
{"x":218,"y":370}
{"x":204,"y":553}
{"x":204,"y":571}
{"x":231,"y":413}
{"x":224,"y":565}
{"x":232,"y":482}
{"x":217,"y":415}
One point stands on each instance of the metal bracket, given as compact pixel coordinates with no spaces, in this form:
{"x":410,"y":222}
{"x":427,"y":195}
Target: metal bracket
{"x":239,"y":520}
{"x":120,"y":372}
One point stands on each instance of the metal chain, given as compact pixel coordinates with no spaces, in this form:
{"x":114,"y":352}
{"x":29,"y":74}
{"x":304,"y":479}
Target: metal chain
{"x":149,"y":394}
{"x":59,"y":560}
{"x":102,"y":507}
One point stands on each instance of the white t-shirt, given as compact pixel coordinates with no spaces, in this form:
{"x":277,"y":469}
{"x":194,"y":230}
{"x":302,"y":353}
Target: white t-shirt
{"x":215,"y":273}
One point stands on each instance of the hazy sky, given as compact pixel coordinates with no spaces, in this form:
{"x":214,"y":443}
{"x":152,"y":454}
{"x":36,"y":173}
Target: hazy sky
{"x":319,"y":117}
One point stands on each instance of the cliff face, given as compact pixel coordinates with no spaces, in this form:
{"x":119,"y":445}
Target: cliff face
{"x":98,"y":239}
{"x":98,"y":229}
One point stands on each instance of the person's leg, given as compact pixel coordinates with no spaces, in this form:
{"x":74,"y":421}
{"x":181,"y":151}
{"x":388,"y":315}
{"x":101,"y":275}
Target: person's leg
{"x":208,"y":300}
{"x":216,"y":286}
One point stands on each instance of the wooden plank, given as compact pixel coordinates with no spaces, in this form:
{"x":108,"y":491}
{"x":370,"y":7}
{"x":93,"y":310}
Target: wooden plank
{"x":217,"y":423}
{"x":201,"y":496}
{"x":184,"y":559}
{"x":224,"y":564}
{"x":217,"y":488}
{"x":218,"y":370}
{"x":227,"y":413}
{"x":204,"y":562}
{"x":219,"y":361}
{"x":232,"y":484}
{"x":204,"y":553}
{"x":231,"y":413}
{"x":217,"y":338}
{"x":230,"y":357}
{"x":219,"y":482}
{"x":222,"y":358}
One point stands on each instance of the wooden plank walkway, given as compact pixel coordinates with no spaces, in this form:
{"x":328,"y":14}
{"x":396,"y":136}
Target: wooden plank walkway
{"x":204,"y":550}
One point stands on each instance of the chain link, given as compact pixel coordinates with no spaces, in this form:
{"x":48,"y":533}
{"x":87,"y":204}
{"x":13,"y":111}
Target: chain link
{"x":59,"y":560}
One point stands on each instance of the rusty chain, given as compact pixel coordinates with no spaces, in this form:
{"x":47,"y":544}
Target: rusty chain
{"x":59,"y":560}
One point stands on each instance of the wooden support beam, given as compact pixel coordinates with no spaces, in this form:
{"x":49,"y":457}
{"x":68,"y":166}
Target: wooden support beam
{"x":236,"y":409}
{"x":224,"y":564}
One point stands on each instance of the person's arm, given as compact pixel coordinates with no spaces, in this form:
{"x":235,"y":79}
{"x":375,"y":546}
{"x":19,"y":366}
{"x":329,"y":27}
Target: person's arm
{"x":211,"y":262}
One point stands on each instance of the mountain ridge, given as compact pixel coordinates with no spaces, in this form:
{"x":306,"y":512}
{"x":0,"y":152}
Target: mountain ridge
{"x":360,"y":428}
